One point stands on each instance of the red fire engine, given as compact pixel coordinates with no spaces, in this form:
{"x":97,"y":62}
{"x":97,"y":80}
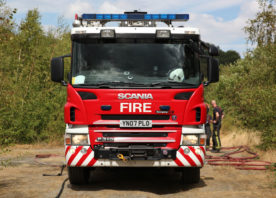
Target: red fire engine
{"x":135,"y":93}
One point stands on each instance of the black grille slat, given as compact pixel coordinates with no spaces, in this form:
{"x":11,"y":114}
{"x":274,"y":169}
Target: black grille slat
{"x":72,"y":114}
{"x":134,"y":144}
{"x":135,"y":117}
{"x":198,"y":114}
{"x":136,"y":134}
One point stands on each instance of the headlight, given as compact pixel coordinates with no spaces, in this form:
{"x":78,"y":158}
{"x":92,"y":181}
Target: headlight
{"x":163,"y":33}
{"x":190,"y":140}
{"x":107,"y":33}
{"x":80,"y":139}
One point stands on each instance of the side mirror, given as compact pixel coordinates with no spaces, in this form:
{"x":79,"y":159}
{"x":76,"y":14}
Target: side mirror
{"x":213,"y":50}
{"x":57,"y":69}
{"x":213,"y":70}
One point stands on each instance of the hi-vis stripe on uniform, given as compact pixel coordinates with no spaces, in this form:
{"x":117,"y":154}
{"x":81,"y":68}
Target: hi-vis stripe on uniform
{"x":186,"y":156}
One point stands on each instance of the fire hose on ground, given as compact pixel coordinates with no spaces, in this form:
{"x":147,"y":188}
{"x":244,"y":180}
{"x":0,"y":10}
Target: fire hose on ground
{"x":226,"y":159}
{"x":37,"y":157}
{"x":243,"y":163}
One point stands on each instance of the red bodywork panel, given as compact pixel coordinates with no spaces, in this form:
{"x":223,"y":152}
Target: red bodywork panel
{"x":89,"y":111}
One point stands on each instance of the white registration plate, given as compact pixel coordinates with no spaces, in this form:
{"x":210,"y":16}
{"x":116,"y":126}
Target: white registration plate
{"x":135,"y":123}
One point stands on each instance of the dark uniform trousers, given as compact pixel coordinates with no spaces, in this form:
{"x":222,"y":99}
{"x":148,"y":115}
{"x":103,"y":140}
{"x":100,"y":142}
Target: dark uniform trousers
{"x":208,"y":134}
{"x":216,"y":136}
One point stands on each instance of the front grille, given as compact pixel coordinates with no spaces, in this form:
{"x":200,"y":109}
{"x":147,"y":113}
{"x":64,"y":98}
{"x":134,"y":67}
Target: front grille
{"x":135,"y":117}
{"x":133,"y":144}
{"x":135,"y":134}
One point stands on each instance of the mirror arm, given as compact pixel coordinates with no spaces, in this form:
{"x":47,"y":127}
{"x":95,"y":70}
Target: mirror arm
{"x":206,"y":83}
{"x":64,"y":83}
{"x":66,"y":55}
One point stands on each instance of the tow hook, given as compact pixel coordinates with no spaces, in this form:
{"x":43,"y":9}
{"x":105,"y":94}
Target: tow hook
{"x":121,"y":157}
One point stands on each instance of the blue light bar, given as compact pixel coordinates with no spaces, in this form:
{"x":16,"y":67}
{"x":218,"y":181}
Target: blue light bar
{"x":136,"y":17}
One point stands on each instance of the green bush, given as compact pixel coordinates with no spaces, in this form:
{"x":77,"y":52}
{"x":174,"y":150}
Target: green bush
{"x":247,"y":92}
{"x":31,"y":107}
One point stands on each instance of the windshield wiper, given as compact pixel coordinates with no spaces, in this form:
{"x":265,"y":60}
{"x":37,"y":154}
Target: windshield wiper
{"x":113,"y":83}
{"x":170,"y":83}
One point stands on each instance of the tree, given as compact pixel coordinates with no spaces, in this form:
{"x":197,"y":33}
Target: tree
{"x":228,"y":57}
{"x":262,"y":29}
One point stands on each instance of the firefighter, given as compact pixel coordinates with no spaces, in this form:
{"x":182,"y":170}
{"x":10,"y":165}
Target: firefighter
{"x":207,"y":126}
{"x":217,"y":118}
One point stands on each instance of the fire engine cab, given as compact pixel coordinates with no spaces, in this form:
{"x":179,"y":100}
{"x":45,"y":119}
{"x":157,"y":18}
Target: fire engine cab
{"x":135,"y":93}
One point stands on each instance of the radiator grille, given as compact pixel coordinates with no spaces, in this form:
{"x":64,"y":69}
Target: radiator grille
{"x":135,"y":117}
{"x":134,"y":144}
{"x":135,"y":134}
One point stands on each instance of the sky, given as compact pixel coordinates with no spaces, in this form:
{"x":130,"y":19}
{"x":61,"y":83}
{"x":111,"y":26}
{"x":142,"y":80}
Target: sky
{"x":220,"y":21}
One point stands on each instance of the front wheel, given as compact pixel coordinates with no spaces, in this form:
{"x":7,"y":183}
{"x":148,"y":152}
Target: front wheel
{"x":191,"y":175}
{"x":78,"y":175}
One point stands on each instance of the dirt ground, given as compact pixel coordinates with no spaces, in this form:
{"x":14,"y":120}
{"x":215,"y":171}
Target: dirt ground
{"x":21,"y":176}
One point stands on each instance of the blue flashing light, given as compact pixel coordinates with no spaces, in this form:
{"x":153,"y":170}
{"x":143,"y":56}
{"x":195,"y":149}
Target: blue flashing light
{"x":99,"y":16}
{"x":115,"y":16}
{"x":155,"y":16}
{"x":123,"y":16}
{"x":160,"y":17}
{"x":171,"y":16}
{"x":147,"y":16}
{"x":163,"y":16}
{"x":107,"y":16}
{"x":89,"y":16}
{"x":182,"y":16}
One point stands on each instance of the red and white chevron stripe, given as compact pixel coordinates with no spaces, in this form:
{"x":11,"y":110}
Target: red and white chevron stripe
{"x":190,"y":156}
{"x":186,"y":156}
{"x":79,"y":156}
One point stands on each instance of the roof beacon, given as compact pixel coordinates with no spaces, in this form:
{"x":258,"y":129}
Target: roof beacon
{"x":76,"y":22}
{"x":133,"y":18}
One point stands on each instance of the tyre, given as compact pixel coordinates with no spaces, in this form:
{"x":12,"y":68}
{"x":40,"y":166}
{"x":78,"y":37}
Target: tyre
{"x":78,"y":175}
{"x":191,"y":175}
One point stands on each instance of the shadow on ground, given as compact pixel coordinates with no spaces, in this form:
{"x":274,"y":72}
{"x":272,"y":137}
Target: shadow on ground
{"x":158,"y":181}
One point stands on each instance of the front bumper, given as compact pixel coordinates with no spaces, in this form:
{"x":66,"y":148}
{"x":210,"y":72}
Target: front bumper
{"x":84,"y":156}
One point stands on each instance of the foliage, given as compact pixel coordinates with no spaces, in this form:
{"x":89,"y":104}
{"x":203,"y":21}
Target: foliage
{"x":31,"y":105}
{"x":262,"y":29}
{"x":228,"y":57}
{"x":247,"y":88}
{"x":247,"y":92}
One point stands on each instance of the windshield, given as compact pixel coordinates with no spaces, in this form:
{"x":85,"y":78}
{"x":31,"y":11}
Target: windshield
{"x":134,"y":64}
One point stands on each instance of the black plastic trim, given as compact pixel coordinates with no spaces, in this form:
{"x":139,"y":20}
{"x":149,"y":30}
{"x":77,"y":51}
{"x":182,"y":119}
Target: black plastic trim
{"x":139,"y":153}
{"x":198,"y":114}
{"x":183,"y":96}
{"x":142,"y":36}
{"x":135,"y":117}
{"x":72,"y":114}
{"x":87,"y":95}
{"x":106,"y":107}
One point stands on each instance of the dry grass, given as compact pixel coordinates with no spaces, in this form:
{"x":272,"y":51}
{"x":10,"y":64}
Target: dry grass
{"x":239,"y":137}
